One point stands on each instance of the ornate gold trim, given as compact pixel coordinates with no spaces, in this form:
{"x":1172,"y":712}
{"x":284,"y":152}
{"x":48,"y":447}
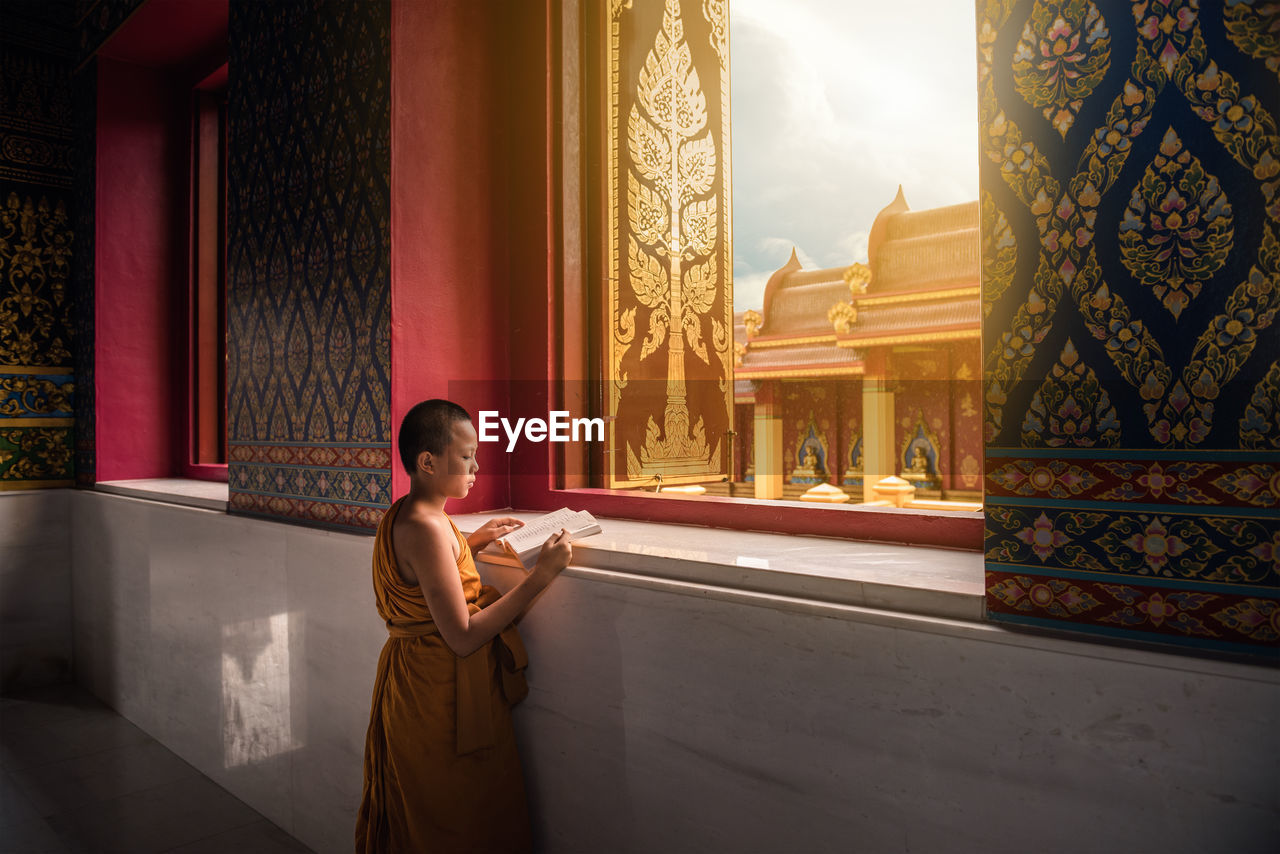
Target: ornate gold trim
{"x":716,"y":14}
{"x":11,"y":485}
{"x":36,"y":369}
{"x":958,"y":335}
{"x":918,"y":296}
{"x":800,"y":372}
{"x":37,"y":422}
{"x":757,"y":343}
{"x":618,"y":344}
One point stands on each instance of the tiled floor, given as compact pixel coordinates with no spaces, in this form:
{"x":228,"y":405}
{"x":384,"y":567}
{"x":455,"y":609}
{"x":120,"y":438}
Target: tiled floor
{"x":76,"y":777}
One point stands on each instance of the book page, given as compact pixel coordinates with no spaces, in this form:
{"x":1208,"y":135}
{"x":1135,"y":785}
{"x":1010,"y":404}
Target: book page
{"x":535,"y":533}
{"x":585,"y":523}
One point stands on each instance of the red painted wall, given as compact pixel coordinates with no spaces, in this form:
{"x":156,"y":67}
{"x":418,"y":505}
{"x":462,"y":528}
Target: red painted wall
{"x":530,"y":194}
{"x":140,"y":247}
{"x":449,"y":276}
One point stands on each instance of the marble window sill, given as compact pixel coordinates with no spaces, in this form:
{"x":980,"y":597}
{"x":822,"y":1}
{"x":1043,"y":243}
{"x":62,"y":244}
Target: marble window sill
{"x":913,"y":588}
{"x":912,"y":579}
{"x":777,"y":569}
{"x":206,"y":494}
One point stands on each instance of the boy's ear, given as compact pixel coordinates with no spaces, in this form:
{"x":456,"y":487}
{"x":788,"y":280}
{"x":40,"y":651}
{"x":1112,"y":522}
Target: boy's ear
{"x":425,"y":462}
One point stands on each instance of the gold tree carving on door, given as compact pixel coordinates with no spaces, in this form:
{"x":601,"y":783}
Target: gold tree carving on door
{"x":672,"y":237}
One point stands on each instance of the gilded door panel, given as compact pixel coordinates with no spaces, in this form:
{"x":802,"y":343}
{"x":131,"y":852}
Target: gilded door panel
{"x":668,"y":282}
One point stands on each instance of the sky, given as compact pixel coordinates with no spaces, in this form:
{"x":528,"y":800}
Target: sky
{"x":835,"y":103}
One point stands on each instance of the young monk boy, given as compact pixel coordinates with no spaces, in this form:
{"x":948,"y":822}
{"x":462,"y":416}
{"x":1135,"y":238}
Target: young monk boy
{"x":441,"y":772}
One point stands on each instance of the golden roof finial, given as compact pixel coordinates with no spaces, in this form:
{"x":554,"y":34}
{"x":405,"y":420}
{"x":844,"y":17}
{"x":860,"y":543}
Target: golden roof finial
{"x":842,"y":316}
{"x":857,"y":277}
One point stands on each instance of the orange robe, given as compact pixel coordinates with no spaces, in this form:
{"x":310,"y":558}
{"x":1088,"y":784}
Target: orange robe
{"x":441,"y":771}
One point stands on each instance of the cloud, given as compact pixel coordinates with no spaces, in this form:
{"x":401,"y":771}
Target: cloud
{"x":748,"y":290}
{"x":780,"y":248}
{"x":853,"y":247}
{"x":833,"y":105}
{"x":749,"y":280}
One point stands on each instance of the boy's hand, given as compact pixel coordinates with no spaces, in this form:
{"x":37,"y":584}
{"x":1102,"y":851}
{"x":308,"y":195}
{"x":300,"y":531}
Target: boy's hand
{"x":554,"y":557}
{"x":496,"y":527}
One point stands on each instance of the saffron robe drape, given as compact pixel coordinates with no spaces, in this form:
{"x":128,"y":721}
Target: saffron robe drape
{"x":441,"y":771}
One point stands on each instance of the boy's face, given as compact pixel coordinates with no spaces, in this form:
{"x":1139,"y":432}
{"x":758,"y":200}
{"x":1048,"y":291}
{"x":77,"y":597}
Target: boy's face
{"x":455,"y":470}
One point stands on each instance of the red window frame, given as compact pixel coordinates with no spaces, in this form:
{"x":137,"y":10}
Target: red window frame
{"x":202,"y":441}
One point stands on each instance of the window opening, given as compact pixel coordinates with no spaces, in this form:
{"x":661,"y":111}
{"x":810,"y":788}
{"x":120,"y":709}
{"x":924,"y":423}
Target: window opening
{"x":853,"y":356}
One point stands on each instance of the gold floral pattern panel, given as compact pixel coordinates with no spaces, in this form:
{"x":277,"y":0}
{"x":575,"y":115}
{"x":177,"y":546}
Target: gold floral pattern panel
{"x":668,"y":300}
{"x":1130,"y":182}
{"x":36,"y":242}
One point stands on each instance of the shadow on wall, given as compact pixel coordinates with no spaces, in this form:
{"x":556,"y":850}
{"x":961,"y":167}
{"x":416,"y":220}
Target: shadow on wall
{"x":257,"y":715}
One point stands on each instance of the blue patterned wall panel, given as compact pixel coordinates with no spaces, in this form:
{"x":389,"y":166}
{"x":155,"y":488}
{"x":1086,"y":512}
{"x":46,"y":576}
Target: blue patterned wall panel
{"x":1131,"y":220}
{"x":308,"y":261}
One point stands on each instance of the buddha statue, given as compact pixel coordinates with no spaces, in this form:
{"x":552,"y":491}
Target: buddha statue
{"x":810,"y":467}
{"x":918,"y":470}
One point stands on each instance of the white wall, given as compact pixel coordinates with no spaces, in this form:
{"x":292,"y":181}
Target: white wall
{"x":661,"y":719}
{"x":246,"y":647}
{"x":666,"y":722}
{"x":35,"y":587}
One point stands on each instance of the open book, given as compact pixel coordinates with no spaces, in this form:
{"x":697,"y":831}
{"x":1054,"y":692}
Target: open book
{"x":523,"y":545}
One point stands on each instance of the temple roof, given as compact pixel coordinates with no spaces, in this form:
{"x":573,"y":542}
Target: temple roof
{"x":822,"y":359}
{"x":800,"y":306}
{"x":922,"y":285}
{"x":934,"y":248}
{"x":940,"y":317}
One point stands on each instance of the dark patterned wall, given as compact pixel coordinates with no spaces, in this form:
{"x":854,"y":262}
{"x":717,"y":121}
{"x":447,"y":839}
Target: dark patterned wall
{"x":85,"y":101}
{"x":94,"y":21}
{"x":36,"y":245}
{"x":1131,"y":218}
{"x":97,"y":20}
{"x":39,"y":26}
{"x":308,"y":314}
